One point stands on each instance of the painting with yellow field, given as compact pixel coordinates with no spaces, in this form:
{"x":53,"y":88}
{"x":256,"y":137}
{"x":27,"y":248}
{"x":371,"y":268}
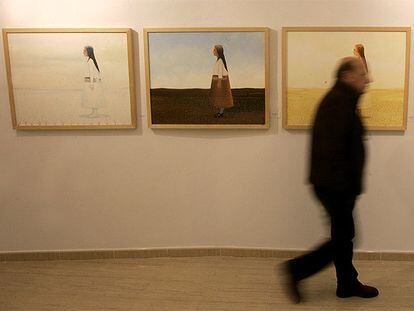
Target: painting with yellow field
{"x":310,"y":59}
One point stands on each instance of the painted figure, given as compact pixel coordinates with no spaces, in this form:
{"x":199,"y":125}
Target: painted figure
{"x":359,"y":51}
{"x":220,"y":91}
{"x":92,"y":96}
{"x":364,"y":108}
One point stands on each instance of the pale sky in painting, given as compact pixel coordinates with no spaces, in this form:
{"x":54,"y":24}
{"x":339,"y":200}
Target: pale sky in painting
{"x":185,"y":60}
{"x":55,"y":60}
{"x":313,"y":57}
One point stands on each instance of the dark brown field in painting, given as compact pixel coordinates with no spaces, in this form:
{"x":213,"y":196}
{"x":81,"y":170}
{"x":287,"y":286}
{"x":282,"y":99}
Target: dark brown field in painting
{"x":191,"y":106}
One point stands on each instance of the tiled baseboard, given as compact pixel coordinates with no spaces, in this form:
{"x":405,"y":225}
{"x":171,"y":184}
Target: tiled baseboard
{"x":186,"y":252}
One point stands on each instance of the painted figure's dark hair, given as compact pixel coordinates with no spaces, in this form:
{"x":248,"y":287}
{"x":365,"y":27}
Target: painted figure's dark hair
{"x":91,"y":55}
{"x":220,"y":54}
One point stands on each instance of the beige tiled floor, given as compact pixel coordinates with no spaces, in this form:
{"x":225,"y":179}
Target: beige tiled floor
{"x":205,"y":283}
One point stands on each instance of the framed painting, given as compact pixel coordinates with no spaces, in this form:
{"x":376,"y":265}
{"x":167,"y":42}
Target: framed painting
{"x":207,"y":77}
{"x":310,"y":57}
{"x":70,"y":78}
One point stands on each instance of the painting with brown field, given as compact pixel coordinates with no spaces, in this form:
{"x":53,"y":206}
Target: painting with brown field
{"x":207,"y":78}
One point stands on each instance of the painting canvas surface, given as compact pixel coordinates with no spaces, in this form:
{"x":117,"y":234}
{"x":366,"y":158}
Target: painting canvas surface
{"x":181,"y":67}
{"x":312,"y":59}
{"x":56,"y":83}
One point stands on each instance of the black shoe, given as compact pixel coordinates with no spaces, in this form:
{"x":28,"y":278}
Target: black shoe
{"x":292,"y":285}
{"x":219,"y":115}
{"x":358,"y":290}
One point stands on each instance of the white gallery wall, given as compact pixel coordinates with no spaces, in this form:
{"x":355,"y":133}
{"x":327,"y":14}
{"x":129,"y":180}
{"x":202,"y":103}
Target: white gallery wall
{"x":115,"y":189}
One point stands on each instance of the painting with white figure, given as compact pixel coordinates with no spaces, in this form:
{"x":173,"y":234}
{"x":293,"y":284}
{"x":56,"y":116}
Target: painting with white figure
{"x":70,"y":79}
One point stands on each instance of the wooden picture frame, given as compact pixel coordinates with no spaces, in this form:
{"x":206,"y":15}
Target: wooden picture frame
{"x":64,"y":79}
{"x":179,"y":63}
{"x":310,"y":56}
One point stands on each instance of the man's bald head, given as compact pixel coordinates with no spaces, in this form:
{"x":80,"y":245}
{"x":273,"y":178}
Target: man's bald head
{"x":352,"y":71}
{"x":345,"y":65}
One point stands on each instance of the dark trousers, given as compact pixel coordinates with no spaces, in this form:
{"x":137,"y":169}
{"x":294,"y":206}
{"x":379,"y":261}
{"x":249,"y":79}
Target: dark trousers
{"x":339,"y":249}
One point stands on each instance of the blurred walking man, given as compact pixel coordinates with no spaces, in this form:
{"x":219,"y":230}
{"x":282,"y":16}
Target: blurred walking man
{"x":336,"y":173}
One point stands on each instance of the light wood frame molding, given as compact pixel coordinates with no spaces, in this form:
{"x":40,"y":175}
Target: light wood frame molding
{"x":286,"y":30}
{"x":266,"y":32}
{"x":131,"y":76}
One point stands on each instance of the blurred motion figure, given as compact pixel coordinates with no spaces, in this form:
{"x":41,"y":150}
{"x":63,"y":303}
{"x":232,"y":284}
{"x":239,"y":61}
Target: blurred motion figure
{"x":336,"y":171}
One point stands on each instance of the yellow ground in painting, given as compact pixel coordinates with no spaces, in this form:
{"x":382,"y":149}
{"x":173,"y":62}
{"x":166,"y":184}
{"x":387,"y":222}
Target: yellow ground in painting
{"x":379,"y":107}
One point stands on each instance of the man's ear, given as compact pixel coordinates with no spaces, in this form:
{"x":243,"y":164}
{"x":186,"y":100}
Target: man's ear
{"x":347,"y":76}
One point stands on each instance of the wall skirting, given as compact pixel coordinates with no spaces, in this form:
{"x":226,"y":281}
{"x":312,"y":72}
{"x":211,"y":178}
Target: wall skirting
{"x":185,"y":252}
